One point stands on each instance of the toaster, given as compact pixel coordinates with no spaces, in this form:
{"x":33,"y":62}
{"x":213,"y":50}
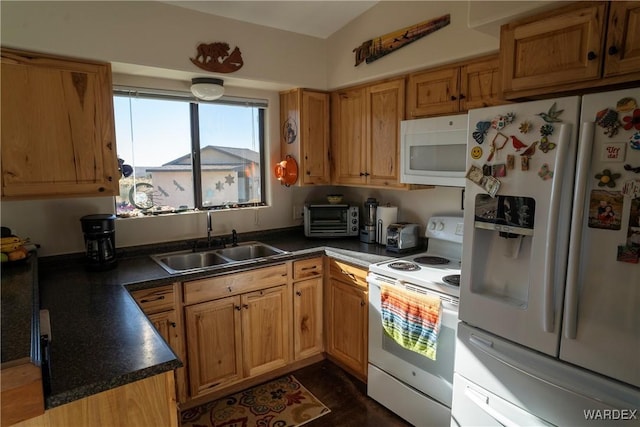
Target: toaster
{"x":402,"y":236}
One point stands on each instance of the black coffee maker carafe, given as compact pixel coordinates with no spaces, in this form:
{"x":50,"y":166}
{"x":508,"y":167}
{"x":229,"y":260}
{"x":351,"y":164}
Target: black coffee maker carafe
{"x":100,"y":241}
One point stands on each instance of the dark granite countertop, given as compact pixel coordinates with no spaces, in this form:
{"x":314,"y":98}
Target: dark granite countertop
{"x":101,"y":339}
{"x":20,"y":325}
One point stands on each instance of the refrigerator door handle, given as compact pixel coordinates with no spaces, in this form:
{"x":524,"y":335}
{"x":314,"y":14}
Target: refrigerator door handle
{"x":548,"y":315}
{"x":575,"y":239}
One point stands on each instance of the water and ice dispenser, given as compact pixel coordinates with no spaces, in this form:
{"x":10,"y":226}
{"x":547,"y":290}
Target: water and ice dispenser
{"x":504,"y":232}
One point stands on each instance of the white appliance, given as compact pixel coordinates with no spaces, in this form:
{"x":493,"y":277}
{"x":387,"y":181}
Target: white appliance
{"x":550,"y":289}
{"x":433,"y":151}
{"x":385,"y":216}
{"x":413,"y":386}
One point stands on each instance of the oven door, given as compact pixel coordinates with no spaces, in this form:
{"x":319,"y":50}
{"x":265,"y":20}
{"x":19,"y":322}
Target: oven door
{"x":433,"y":378}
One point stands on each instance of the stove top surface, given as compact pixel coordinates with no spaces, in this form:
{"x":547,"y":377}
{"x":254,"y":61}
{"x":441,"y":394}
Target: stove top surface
{"x":428,"y":270}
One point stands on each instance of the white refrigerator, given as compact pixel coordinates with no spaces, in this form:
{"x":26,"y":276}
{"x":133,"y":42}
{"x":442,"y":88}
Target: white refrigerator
{"x":550,"y":282}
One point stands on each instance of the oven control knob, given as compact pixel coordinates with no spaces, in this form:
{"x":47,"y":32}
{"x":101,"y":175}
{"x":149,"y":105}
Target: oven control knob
{"x":432,"y":225}
{"x":440,"y":226}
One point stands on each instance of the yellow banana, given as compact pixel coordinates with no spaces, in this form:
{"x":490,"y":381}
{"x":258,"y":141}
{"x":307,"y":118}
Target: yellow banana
{"x":10,"y":239}
{"x":9,"y":247}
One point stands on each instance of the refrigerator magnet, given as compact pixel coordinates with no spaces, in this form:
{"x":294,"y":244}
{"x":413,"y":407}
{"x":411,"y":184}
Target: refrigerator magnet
{"x":629,"y":254}
{"x":545,"y":145}
{"x":524,"y":163}
{"x":607,"y":178}
{"x":613,"y":152}
{"x":511,"y":161}
{"x":632,"y":121}
{"x":545,"y":173}
{"x":605,"y":209}
{"x":476,"y":153}
{"x":608,"y":119}
{"x":634,"y":141}
{"x":488,"y":183}
{"x":499,"y":170}
{"x":481,"y":131}
{"x":631,"y":188}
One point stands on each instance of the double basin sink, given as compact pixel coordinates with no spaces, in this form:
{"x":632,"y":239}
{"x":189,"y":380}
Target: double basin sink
{"x":183,"y":261}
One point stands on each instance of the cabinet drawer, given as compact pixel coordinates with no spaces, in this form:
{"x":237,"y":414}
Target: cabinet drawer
{"x":233,"y":284}
{"x":155,"y":300}
{"x":307,"y":268}
{"x":348,"y":273}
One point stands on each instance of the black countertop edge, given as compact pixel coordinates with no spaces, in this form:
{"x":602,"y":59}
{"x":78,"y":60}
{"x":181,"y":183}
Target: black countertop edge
{"x":94,"y":350}
{"x":98,"y":387}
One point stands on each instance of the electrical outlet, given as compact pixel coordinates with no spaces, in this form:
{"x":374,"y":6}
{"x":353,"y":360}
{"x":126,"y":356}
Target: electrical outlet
{"x":297,"y":212}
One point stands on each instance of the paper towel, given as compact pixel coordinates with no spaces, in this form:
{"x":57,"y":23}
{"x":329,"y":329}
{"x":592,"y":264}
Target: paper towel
{"x":385,"y":216}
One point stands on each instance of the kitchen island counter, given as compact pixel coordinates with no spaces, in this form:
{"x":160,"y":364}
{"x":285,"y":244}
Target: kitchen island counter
{"x":102,"y":339}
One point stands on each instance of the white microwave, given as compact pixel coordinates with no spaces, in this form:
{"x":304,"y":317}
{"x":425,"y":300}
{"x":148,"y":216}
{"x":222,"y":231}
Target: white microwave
{"x":433,"y":151}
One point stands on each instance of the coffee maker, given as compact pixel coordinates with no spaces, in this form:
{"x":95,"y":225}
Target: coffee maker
{"x":100,"y":241}
{"x":368,"y":230}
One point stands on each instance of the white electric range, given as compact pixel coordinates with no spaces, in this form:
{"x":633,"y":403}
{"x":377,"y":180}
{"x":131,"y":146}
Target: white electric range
{"x":417,"y":388}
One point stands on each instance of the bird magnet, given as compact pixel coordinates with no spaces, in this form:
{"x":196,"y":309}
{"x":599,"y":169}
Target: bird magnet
{"x":517,"y":144}
{"x":552,"y":115}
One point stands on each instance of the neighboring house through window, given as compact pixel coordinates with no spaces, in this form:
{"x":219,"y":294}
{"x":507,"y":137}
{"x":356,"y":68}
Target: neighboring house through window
{"x":184,"y":154}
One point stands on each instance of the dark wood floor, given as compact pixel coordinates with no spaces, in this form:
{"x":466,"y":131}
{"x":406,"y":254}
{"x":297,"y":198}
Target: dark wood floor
{"x":347,"y":398}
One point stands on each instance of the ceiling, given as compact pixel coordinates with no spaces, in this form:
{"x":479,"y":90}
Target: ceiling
{"x":314,"y":18}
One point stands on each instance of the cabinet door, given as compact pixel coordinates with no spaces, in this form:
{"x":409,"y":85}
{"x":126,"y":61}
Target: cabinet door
{"x":623,"y":39}
{"x":214,"y":340}
{"x":433,"y":92}
{"x":169,"y":328}
{"x":480,"y":84}
{"x":558,"y":47}
{"x":307,"y":318}
{"x":349,"y":133}
{"x":314,"y":131}
{"x":348,"y":327}
{"x":265,"y":330}
{"x":385,"y":110}
{"x":58,"y":136}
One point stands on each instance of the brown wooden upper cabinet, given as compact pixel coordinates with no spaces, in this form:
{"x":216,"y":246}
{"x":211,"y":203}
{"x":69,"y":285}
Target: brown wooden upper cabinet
{"x":454,"y":88}
{"x":58,"y":136}
{"x":304,"y":127}
{"x":581,"y":45}
{"x":365,"y":130}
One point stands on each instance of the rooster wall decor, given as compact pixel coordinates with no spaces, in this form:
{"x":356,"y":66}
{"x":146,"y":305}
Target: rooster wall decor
{"x":216,"y":57}
{"x":376,"y":48}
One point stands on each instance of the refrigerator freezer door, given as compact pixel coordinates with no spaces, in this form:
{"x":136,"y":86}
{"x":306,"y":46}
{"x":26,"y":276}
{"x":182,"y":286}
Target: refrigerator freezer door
{"x":509,"y":384}
{"x":601,"y":329}
{"x":513,"y":272}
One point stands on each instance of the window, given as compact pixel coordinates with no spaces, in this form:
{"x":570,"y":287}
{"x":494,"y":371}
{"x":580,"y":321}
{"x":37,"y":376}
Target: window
{"x":178,"y":154}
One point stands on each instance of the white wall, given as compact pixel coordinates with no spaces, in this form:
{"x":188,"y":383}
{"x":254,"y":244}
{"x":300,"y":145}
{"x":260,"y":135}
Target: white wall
{"x":152,"y":39}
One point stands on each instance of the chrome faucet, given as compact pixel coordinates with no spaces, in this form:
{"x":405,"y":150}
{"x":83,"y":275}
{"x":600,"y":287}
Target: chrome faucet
{"x":234,"y":237}
{"x":209,"y":228}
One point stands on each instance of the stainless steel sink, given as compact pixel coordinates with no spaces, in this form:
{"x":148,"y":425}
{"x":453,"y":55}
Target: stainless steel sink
{"x":249,"y":250}
{"x":182,"y":261}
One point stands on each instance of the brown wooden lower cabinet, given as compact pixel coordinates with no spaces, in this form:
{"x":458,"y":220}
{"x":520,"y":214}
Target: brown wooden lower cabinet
{"x":148,"y":402}
{"x":347,"y":314}
{"x":239,"y":336}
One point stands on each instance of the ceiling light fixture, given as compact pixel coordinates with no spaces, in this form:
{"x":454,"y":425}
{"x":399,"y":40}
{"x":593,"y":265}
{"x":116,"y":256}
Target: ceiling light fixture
{"x":207,"y":88}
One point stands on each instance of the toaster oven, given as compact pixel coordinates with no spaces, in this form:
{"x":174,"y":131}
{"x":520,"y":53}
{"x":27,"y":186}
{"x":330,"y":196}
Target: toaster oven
{"x":331,"y":220}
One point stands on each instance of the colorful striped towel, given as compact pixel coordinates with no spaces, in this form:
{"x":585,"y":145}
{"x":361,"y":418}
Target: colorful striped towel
{"x":411,"y":319}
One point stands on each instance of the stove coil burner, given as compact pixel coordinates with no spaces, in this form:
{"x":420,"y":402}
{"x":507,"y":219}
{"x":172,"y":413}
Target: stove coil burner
{"x":404,"y":266}
{"x":431,"y":260}
{"x":453,"y":280}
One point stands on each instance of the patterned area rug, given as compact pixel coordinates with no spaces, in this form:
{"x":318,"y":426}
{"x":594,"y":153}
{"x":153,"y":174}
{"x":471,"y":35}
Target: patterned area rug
{"x":283,"y":402}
